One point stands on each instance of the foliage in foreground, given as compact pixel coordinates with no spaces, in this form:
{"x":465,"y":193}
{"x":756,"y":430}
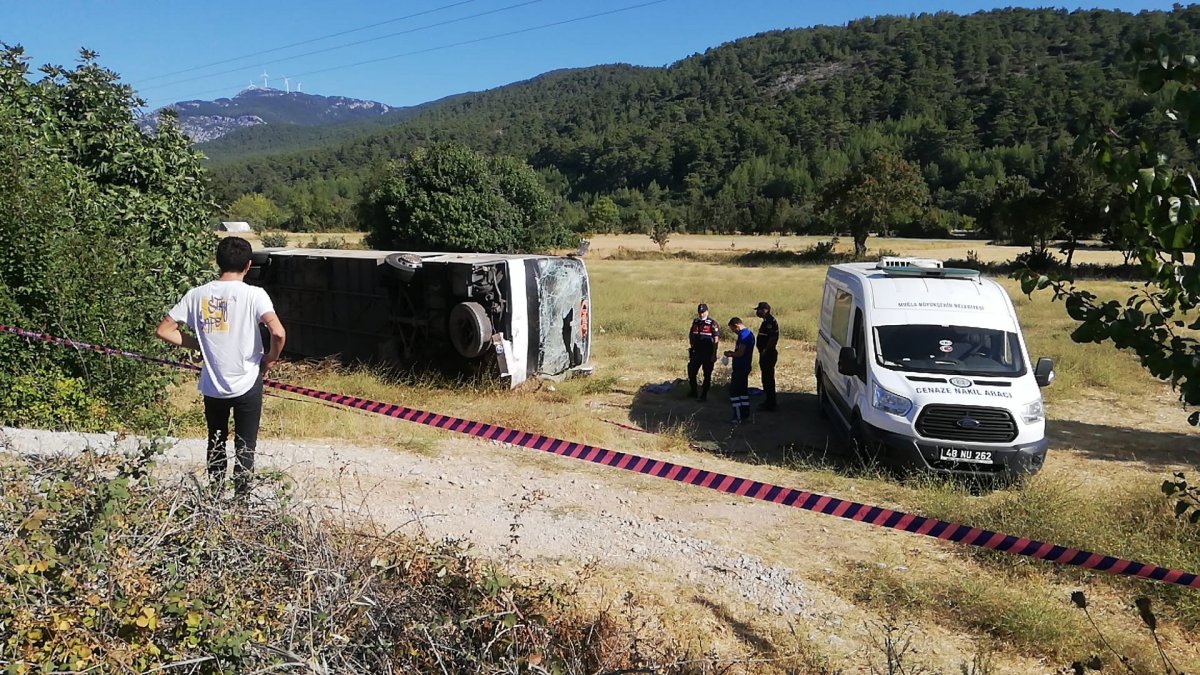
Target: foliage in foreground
{"x":101,"y":228}
{"x":107,"y":570}
{"x":1158,"y":209}
{"x":1149,"y":620}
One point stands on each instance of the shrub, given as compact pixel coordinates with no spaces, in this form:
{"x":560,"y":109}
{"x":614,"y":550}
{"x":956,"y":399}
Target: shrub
{"x":274,"y":239}
{"x":1038,"y":260}
{"x":660,"y":232}
{"x":102,"y":227}
{"x":105,"y":569}
{"x":820,"y":253}
{"x":447,"y":197}
{"x":46,"y":399}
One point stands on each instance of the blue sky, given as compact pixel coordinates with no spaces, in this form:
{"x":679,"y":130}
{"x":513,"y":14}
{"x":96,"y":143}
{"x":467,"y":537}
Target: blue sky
{"x":147,"y":42}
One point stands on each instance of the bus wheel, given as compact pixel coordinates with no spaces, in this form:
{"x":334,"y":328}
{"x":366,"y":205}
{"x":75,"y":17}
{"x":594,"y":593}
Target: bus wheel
{"x":470,"y":329}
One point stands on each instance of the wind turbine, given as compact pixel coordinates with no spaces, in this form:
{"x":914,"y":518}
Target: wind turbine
{"x":298,"y":83}
{"x":286,"y":88}
{"x":264,"y":77}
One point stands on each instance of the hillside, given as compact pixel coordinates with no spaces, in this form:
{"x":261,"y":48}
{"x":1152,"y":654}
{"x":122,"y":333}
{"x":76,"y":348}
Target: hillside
{"x":264,"y":139}
{"x":205,"y":121}
{"x":742,"y":136}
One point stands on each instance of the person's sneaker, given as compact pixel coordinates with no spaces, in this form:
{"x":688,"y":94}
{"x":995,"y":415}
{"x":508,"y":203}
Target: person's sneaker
{"x":703,"y":398}
{"x":735,"y":420}
{"x":692,"y":394}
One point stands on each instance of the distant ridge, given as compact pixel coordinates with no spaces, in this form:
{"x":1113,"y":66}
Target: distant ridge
{"x":205,"y":121}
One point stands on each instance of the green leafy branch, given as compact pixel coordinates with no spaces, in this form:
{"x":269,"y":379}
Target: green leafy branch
{"x":1187,"y":497}
{"x":1156,"y":212}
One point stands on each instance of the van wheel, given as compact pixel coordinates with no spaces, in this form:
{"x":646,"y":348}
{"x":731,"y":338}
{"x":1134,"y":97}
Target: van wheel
{"x":865,"y":451}
{"x":822,"y":398}
{"x":470,"y":329}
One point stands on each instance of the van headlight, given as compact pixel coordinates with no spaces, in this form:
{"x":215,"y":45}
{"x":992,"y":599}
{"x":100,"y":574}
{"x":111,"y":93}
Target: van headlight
{"x":1032,"y":413}
{"x":889,"y":402}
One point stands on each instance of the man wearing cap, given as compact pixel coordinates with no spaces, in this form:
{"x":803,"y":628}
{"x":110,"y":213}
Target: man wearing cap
{"x":739,"y":379}
{"x":768,"y":354}
{"x":702,"y":350}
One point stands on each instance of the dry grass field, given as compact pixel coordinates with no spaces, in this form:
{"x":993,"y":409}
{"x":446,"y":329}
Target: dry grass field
{"x":1115,"y":434}
{"x":347,"y":239}
{"x":607,"y":244}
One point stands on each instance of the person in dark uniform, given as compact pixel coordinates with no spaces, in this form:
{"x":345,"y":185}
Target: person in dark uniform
{"x":768,"y":353}
{"x":739,"y":379}
{"x":702,"y":350}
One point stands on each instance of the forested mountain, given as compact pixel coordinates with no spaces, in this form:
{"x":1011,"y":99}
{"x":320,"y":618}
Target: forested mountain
{"x":204,"y":121}
{"x":743,"y":136}
{"x":280,"y":138}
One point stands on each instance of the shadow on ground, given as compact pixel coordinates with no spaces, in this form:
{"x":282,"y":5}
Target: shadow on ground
{"x":1157,"y":449}
{"x":796,"y":433}
{"x":793,"y":433}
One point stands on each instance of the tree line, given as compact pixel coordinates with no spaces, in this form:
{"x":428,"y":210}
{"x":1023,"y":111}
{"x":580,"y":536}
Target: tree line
{"x":751,"y":135}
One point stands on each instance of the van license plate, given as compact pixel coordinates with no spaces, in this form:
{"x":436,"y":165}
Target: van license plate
{"x":963,"y":455}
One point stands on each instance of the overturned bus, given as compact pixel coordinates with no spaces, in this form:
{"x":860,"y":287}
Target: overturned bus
{"x":518,"y":316}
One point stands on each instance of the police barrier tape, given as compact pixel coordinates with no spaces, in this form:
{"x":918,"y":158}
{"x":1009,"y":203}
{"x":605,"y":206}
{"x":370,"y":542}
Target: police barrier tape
{"x":809,"y":501}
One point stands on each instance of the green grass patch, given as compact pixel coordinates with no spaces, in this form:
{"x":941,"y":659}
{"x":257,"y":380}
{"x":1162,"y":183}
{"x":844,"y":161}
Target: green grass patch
{"x":1021,"y":613}
{"x":1129,"y":518}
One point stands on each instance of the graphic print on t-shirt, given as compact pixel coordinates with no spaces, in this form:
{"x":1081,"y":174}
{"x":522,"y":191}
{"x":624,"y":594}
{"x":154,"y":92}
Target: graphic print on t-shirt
{"x":214,"y":315}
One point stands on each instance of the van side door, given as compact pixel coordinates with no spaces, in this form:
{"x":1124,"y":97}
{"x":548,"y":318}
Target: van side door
{"x":856,"y":384}
{"x":838,"y":336}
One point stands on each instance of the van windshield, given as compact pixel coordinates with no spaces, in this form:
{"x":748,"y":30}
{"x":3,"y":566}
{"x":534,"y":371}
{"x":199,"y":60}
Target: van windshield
{"x":958,"y":350}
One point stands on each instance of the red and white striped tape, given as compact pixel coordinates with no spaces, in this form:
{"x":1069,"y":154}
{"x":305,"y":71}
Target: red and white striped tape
{"x":801,"y":499}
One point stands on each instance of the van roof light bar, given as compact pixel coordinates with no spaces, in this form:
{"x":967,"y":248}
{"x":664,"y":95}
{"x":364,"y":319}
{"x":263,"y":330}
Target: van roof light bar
{"x":890,"y":261}
{"x":922,"y":267}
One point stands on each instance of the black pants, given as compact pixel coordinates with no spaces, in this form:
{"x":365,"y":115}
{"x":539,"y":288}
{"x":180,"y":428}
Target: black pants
{"x":766,"y":363}
{"x":693,"y":369}
{"x":247,"y":413}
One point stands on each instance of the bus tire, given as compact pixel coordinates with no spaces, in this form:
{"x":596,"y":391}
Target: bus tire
{"x":470,"y":329}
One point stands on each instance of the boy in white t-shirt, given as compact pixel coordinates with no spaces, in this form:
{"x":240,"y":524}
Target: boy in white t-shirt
{"x":224,"y":315}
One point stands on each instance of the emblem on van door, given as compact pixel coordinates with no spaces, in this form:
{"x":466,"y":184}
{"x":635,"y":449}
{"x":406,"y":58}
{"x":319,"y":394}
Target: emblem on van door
{"x":961,"y":382}
{"x":968,"y":423}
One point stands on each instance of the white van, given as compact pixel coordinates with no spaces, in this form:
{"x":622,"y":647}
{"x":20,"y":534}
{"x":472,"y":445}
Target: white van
{"x":927,"y":366}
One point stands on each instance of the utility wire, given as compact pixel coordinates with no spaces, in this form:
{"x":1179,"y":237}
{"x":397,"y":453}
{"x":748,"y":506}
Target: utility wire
{"x":349,"y":44}
{"x":309,"y":41}
{"x":485,"y":38}
{"x":465,"y":42}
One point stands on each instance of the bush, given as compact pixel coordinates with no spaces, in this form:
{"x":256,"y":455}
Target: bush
{"x":820,"y":253}
{"x":46,"y":399}
{"x":448,"y":197}
{"x":101,"y":227}
{"x":1038,"y":260}
{"x":107,"y":570}
{"x":332,"y":242}
{"x":932,"y":223}
{"x":1079,"y":270}
{"x":274,"y":240}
